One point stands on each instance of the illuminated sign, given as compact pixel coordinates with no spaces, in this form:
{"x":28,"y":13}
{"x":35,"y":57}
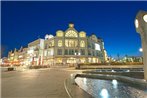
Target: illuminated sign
{"x":97,"y":47}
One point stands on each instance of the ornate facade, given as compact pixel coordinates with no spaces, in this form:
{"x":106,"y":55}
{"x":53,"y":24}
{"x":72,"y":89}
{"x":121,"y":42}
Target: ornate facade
{"x":66,"y":47}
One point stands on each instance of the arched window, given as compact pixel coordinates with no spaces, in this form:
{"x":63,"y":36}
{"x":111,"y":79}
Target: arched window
{"x":51,"y":43}
{"x":82,"y":34}
{"x":71,"y":43}
{"x":82,"y":43}
{"x":71,"y":33}
{"x":59,"y":33}
{"x":60,"y":43}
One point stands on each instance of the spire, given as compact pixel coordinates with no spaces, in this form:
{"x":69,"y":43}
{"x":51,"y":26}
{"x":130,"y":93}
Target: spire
{"x":71,"y":25}
{"x":21,"y":48}
{"x":15,"y":50}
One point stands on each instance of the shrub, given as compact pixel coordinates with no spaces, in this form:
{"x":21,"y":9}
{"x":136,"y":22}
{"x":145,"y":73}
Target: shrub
{"x":10,"y":68}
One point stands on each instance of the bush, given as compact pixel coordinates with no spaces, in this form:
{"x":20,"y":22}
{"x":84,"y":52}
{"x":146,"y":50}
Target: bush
{"x":37,"y":67}
{"x":10,"y":68}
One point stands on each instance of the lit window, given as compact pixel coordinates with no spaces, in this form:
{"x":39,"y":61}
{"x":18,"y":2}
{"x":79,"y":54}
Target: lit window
{"x":82,"y":43}
{"x":71,"y":43}
{"x":82,"y":60}
{"x":59,"y":60}
{"x":50,"y":52}
{"x":82,"y":34}
{"x":66,"y":43}
{"x":71,"y":33}
{"x":45,"y":53}
{"x":59,"y":33}
{"x":60,"y":43}
{"x":52,"y":43}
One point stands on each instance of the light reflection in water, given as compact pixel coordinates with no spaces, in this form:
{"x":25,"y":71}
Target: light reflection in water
{"x":112,"y":71}
{"x":85,"y":81}
{"x":114,"y":82}
{"x":104,"y":93}
{"x":128,"y":71}
{"x":109,"y":89}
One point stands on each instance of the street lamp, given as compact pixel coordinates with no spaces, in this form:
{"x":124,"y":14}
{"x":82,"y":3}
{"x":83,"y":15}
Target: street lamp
{"x":141,"y":50}
{"x":77,"y":59}
{"x":141,"y":28}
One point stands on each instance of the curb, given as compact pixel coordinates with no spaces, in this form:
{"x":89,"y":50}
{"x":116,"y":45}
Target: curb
{"x":65,"y":86}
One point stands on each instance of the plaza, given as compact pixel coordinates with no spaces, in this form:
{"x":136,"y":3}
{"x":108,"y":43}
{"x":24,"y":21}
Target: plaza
{"x":44,"y":83}
{"x":98,"y":55}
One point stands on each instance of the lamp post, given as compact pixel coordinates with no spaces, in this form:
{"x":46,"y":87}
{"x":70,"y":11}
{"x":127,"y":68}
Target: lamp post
{"x":141,"y":28}
{"x":141,"y":50}
{"x":77,"y":59}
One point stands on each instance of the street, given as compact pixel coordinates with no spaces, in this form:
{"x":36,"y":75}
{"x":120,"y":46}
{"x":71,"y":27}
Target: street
{"x":40,"y":83}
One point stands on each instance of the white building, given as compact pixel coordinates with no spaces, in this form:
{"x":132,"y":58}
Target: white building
{"x":66,"y":47}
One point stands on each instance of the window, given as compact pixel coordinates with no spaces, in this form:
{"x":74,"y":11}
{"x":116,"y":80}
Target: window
{"x":52,"y":43}
{"x":93,"y":53}
{"x":89,"y":45}
{"x":46,"y":46}
{"x":76,"y":51}
{"x":60,"y":43}
{"x":59,"y":60}
{"x":89,"y":52}
{"x":82,"y":60}
{"x":71,"y":52}
{"x":97,"y":53}
{"x":82,"y":51}
{"x":93,"y":46}
{"x":82,"y":34}
{"x":59,"y":51}
{"x":71,"y":33}
{"x":59,"y":33}
{"x":45,"y":53}
{"x":66,"y":52}
{"x":82,"y":43}
{"x":50,"y":52}
{"x":71,"y":43}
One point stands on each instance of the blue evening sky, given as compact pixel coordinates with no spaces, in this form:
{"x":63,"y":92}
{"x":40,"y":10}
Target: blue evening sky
{"x":23,"y":22}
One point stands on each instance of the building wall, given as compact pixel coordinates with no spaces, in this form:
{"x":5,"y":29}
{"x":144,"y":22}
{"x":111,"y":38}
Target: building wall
{"x":66,"y":47}
{"x":60,"y":56}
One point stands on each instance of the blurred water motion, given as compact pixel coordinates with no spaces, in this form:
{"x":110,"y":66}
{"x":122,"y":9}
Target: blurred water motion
{"x":109,"y":89}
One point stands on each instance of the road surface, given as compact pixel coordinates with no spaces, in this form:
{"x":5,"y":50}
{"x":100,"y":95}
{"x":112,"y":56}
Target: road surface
{"x":42,"y":83}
